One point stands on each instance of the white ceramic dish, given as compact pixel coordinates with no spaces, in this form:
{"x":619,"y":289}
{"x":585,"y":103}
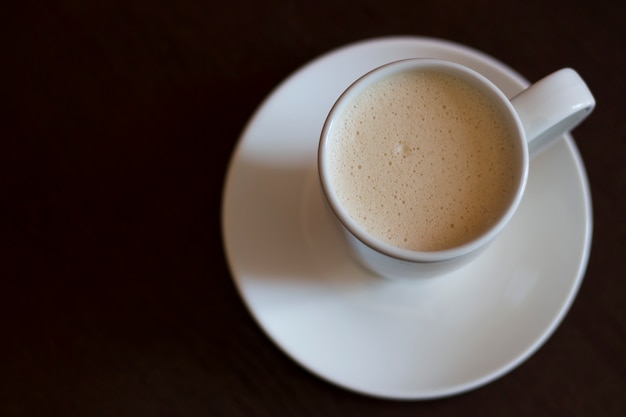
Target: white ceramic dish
{"x":402,"y":340}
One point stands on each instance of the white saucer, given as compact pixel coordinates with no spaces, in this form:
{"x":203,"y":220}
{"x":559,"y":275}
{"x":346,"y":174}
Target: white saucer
{"x":402,"y":340}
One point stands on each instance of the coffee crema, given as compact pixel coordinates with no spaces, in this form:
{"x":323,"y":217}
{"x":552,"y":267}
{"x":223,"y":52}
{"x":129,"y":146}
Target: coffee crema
{"x":423,"y":160}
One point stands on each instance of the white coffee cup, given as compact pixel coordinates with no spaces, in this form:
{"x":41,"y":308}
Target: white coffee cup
{"x":531,"y":120}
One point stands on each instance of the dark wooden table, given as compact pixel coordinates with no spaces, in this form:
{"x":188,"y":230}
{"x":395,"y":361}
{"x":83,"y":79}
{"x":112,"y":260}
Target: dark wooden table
{"x":118,"y":122}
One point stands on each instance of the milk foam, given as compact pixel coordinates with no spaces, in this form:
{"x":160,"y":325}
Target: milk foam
{"x":423,"y":161}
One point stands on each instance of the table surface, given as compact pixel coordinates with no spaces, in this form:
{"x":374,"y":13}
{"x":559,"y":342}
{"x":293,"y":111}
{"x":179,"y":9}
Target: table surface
{"x":119,"y":120}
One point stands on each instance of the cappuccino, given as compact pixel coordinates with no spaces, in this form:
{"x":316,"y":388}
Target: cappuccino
{"x":423,"y":160}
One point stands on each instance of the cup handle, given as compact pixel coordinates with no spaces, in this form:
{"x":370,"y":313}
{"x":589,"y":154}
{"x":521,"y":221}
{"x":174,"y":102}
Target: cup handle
{"x":552,"y":106}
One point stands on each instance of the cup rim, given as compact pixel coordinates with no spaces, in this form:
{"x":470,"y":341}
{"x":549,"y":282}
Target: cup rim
{"x":383,"y":72}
